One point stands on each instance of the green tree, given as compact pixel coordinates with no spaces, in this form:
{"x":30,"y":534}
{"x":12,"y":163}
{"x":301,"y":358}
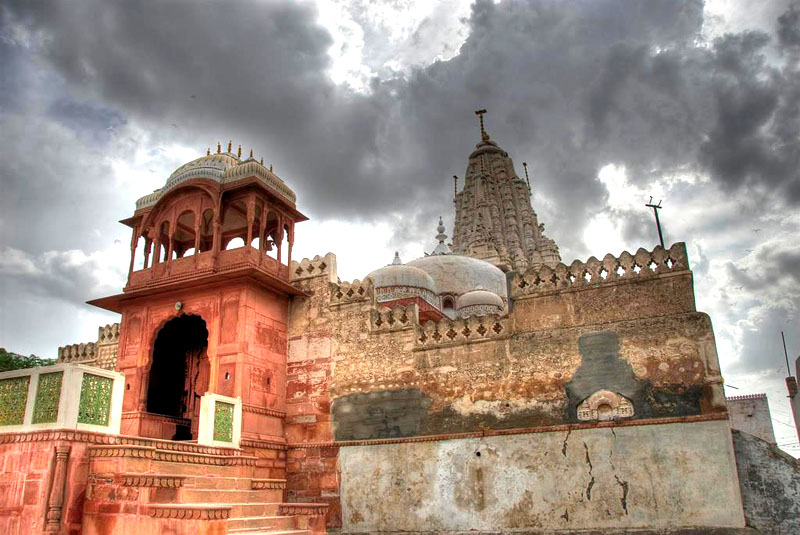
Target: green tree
{"x":12,"y":361}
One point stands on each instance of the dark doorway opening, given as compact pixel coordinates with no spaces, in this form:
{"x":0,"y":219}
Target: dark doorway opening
{"x":180,"y":373}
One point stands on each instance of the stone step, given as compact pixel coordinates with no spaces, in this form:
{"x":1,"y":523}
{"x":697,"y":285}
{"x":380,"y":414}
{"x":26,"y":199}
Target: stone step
{"x":190,"y":495}
{"x":262,"y":522}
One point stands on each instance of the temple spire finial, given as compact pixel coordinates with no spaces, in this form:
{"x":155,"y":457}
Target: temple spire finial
{"x":208,"y":151}
{"x":484,"y":135}
{"x":442,"y":247}
{"x":230,"y":146}
{"x":219,"y":147}
{"x":397,"y":261}
{"x":455,"y":187}
{"x":239,"y":152}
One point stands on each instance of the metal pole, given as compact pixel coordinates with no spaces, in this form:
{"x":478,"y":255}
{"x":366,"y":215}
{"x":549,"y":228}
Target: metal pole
{"x":655,"y":208}
{"x":786,"y":354}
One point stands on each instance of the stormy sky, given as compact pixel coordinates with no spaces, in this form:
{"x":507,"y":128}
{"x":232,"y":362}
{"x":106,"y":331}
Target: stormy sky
{"x":366,"y":109}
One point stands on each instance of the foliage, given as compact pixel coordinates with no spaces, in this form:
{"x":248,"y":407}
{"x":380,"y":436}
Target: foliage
{"x":12,"y":361}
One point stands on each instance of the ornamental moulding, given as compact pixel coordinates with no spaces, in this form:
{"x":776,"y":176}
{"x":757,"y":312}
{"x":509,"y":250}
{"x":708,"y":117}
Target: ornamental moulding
{"x":260,"y":484}
{"x":263,"y":410}
{"x":138,"y":480}
{"x":187,"y":512}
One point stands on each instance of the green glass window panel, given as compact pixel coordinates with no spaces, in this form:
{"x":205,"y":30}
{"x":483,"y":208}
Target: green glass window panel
{"x":13,"y":398}
{"x":95,"y":404}
{"x":223,"y":422}
{"x":48,"y":394}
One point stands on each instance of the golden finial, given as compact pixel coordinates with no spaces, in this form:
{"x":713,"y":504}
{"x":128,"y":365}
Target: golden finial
{"x":239,"y":152}
{"x":219,"y":147}
{"x":484,"y":135}
{"x":208,"y":151}
{"x":251,"y":154}
{"x":230,"y":147}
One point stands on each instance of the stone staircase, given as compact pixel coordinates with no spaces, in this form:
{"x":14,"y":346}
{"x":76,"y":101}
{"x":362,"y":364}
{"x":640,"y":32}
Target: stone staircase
{"x":181,"y":487}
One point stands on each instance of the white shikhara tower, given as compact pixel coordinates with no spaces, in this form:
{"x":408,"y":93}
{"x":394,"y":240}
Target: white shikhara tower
{"x":494,"y":218}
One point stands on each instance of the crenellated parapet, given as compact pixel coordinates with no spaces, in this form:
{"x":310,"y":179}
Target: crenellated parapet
{"x":462,"y":331}
{"x":351,"y":292}
{"x":397,"y":318}
{"x":319,"y":266}
{"x":626,"y":267}
{"x":102,"y":353}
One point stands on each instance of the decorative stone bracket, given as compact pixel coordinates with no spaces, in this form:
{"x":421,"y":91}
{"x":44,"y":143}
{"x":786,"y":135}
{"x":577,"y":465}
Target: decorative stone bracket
{"x":220,"y":421}
{"x":63,"y":396}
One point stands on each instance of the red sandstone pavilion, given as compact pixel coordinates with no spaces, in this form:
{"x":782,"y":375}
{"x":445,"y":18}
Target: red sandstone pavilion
{"x":483,"y":387}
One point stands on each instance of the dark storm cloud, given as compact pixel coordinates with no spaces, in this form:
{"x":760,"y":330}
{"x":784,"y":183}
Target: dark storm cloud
{"x":570,"y":87}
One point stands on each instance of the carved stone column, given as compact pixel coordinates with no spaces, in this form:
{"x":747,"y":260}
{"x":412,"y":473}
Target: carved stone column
{"x":55,"y":503}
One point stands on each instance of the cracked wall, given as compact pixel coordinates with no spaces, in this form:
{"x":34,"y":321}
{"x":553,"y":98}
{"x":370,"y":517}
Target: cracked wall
{"x":584,"y":479}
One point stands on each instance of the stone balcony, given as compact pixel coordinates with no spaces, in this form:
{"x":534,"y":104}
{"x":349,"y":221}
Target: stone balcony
{"x":242,"y":260}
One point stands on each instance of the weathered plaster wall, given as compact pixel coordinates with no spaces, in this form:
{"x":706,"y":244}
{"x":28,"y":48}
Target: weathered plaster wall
{"x":770,"y":482}
{"x":751,"y":415}
{"x":642,"y":476}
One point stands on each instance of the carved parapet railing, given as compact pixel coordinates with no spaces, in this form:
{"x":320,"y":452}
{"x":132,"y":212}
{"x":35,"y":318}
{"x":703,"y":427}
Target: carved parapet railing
{"x":77,"y":353}
{"x":385,"y":319}
{"x":626,"y":267}
{"x":62,"y":396}
{"x":351,"y":292}
{"x":102,"y":353}
{"x":108,"y":334}
{"x":461,"y":331}
{"x":317,"y":267}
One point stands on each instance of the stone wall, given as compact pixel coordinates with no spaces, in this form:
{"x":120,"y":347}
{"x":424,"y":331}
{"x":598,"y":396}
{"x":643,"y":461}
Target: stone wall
{"x":770,"y":482}
{"x":751,"y":414}
{"x":615,"y":339}
{"x":630,"y":476}
{"x":362,"y":371}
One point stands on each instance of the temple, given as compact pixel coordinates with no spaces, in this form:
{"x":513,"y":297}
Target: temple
{"x":484,"y":386}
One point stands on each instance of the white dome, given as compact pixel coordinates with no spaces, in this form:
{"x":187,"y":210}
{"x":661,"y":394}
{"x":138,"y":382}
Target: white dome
{"x":479,"y":297}
{"x":398,"y":281}
{"x":457,"y":274}
{"x":394,"y":275}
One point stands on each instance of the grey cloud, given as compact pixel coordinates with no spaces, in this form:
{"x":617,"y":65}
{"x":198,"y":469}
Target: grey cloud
{"x":569,"y":85}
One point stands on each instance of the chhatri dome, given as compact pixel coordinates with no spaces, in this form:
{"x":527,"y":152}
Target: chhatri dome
{"x":224,"y":168}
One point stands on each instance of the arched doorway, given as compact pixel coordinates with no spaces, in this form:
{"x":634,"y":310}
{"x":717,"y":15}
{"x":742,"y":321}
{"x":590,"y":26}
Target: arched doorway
{"x":179,"y":374}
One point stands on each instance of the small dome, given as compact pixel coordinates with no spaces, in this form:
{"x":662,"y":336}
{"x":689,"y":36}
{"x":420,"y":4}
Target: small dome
{"x":457,"y":274}
{"x":479,"y":297}
{"x":399,"y":281}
